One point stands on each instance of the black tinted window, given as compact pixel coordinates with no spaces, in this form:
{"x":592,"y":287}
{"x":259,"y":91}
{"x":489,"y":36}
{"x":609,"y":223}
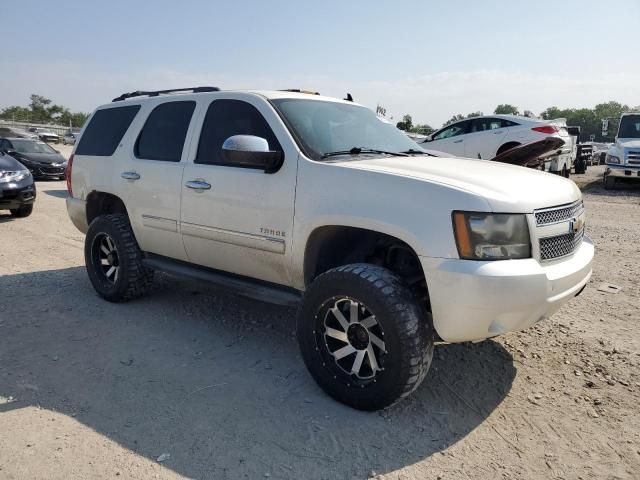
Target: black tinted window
{"x":454,"y":130}
{"x":226,"y":118}
{"x":164,"y":132}
{"x":106,"y":129}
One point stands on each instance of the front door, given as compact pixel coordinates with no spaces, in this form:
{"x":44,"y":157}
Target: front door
{"x":450,"y":139}
{"x":236,"y":219}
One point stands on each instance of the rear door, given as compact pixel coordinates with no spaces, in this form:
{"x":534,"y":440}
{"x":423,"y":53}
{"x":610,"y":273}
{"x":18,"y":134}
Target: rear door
{"x":152,"y":175}
{"x":485,"y":137}
{"x":242,"y":221}
{"x":450,"y":139}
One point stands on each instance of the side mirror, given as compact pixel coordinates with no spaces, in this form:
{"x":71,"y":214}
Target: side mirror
{"x":10,"y":151}
{"x":429,"y":138}
{"x":250,"y":151}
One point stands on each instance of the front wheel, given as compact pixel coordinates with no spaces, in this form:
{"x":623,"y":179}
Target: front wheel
{"x":364,"y":337}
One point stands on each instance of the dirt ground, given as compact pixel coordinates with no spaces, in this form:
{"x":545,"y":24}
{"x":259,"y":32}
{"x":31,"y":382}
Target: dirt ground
{"x":90,"y":389}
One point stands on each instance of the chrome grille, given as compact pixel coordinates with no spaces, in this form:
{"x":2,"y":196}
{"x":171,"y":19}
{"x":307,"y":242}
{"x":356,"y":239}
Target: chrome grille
{"x":633,"y":157}
{"x":560,"y":246}
{"x":558,"y":214}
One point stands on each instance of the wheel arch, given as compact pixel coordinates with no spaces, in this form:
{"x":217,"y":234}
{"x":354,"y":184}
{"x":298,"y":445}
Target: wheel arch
{"x":507,"y":146}
{"x":103,"y":203}
{"x":331,"y":246}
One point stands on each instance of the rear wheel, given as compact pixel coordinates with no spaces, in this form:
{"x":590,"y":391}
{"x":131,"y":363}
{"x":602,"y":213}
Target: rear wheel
{"x":23,"y":211}
{"x":114,"y":260}
{"x":364,"y":337}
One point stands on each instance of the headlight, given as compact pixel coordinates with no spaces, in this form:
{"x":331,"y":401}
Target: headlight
{"x":6,"y":177}
{"x":613,"y":159}
{"x":491,"y":236}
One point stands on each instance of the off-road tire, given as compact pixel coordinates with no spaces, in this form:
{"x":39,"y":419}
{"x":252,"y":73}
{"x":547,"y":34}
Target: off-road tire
{"x":134,"y":279}
{"x":408,"y":335}
{"x":23,"y":211}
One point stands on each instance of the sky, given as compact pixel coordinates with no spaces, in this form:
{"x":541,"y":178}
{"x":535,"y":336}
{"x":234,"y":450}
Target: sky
{"x":425,"y":58}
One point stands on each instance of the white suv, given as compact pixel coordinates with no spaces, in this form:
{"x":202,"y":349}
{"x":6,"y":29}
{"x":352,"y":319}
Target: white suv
{"x":297,"y":198}
{"x":488,"y":136}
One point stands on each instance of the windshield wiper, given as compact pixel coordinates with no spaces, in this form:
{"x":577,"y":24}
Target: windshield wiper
{"x":359,"y":150}
{"x":413,"y":150}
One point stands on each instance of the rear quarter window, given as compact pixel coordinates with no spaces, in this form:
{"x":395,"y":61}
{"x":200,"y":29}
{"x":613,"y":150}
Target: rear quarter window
{"x":105,"y":131}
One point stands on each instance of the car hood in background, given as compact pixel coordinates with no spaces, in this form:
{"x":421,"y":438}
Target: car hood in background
{"x":529,"y":153}
{"x":629,"y":143}
{"x":9,"y":164}
{"x":507,"y":188}
{"x":41,"y":157}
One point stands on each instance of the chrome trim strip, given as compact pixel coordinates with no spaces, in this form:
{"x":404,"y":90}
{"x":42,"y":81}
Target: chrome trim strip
{"x":241,"y":239}
{"x":160,"y":223}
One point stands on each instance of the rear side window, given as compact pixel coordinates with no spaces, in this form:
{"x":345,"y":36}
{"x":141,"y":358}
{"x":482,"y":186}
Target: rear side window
{"x":163,"y":134}
{"x":226,"y":118}
{"x":107,"y":127}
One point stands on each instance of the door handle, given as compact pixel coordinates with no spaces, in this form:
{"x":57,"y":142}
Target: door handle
{"x":130,"y":175}
{"x":458,"y":141}
{"x":198,"y":185}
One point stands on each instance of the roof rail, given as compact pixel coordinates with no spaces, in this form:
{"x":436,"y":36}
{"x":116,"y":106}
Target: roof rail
{"x":297,"y":90}
{"x":155,"y":93}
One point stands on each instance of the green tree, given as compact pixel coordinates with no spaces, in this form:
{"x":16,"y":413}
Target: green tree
{"x":506,"y":109}
{"x":406,"y":124}
{"x":42,"y":110}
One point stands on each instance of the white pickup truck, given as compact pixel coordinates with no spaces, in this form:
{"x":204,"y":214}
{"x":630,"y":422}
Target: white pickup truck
{"x":308,"y":200}
{"x":623,"y":158}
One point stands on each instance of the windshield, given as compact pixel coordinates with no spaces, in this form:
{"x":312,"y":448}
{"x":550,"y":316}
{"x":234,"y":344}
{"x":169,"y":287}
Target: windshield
{"x":30,"y":146}
{"x":630,"y":127}
{"x":322,"y":127}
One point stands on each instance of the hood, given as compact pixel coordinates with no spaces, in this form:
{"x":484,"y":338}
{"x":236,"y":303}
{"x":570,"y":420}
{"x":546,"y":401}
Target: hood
{"x":41,"y":157}
{"x":507,"y":188}
{"x":629,"y":142}
{"x":9,"y":164}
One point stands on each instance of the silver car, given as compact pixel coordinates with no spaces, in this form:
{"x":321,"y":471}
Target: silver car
{"x":70,"y":138}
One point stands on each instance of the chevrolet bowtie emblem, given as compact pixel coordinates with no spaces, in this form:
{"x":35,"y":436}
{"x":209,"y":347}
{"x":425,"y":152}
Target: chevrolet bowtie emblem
{"x":576,"y":224}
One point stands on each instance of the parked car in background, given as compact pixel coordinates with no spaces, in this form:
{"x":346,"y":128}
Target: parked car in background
{"x":70,"y":138}
{"x":17,"y":190}
{"x":491,"y":135}
{"x":42,"y":160}
{"x":623,"y":158}
{"x":45,"y":135}
{"x":6,"y":131}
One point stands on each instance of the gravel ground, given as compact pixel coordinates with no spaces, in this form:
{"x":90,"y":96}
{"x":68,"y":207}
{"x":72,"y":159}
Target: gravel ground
{"x":90,"y":389}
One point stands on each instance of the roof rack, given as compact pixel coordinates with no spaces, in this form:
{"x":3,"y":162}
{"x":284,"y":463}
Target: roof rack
{"x":297,"y":90}
{"x":155,"y":93}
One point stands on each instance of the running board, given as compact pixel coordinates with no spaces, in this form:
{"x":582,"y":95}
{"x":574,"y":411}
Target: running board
{"x":247,"y":287}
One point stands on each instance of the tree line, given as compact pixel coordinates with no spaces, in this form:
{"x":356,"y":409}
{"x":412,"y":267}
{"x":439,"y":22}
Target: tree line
{"x":588,"y":119}
{"x":43,"y":110}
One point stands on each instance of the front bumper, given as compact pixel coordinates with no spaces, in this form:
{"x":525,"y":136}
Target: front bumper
{"x":47,"y":171}
{"x":616,"y":170}
{"x":77,"y":210}
{"x":11,"y":198}
{"x":472,"y":300}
